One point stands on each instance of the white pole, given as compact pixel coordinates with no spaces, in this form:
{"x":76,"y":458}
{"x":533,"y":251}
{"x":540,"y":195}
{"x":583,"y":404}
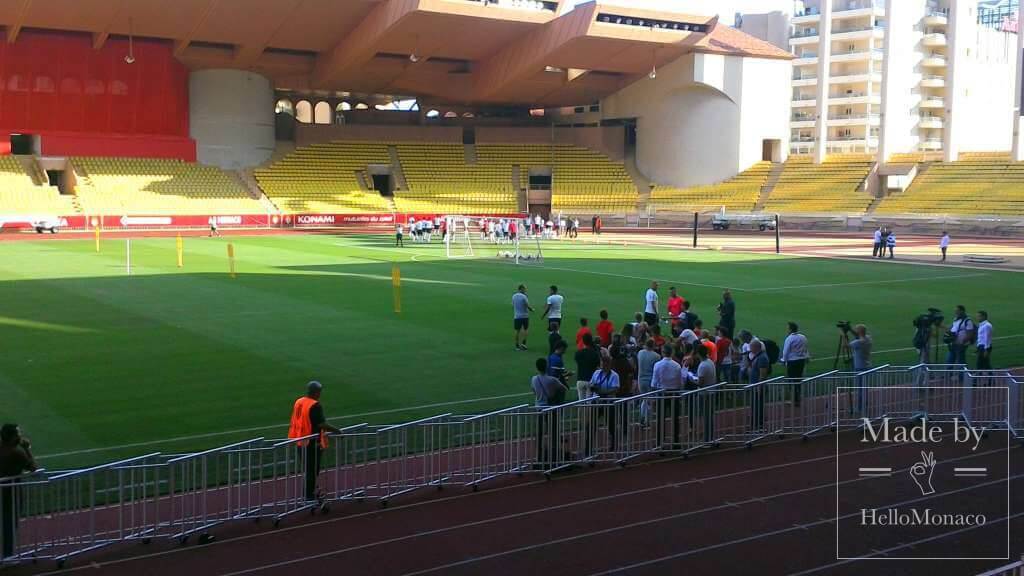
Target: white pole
{"x":128,"y":258}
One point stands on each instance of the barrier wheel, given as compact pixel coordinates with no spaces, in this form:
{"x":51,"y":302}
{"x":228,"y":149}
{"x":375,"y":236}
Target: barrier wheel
{"x":749,"y":446}
{"x":325,"y":509}
{"x":277,"y":522}
{"x":476,"y":487}
{"x":547,"y":476}
{"x":60,"y":564}
{"x":804,"y":439}
{"x":383,"y":503}
{"x":205,"y":538}
{"x":147,"y":541}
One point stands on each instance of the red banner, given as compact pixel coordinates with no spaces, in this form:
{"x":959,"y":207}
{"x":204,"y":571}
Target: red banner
{"x":242,"y":221}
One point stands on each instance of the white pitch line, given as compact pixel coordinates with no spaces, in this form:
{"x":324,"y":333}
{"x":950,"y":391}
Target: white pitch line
{"x":281,"y":425}
{"x":867,"y":282}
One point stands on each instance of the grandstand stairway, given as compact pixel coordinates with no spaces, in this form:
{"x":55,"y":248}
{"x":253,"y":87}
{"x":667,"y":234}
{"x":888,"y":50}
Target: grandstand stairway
{"x":31,"y":167}
{"x":396,"y":170}
{"x":470,"y":153}
{"x":643,"y":185}
{"x":769,"y":186}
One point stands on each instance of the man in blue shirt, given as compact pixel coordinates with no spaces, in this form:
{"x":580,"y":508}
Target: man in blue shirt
{"x":760,"y":367}
{"x":556,"y":364}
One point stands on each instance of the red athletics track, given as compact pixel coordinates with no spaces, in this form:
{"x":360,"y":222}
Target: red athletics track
{"x":765,"y":512}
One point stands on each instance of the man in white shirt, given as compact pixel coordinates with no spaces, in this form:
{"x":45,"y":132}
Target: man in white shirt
{"x":944,"y":244}
{"x":795,"y":354}
{"x":961,"y":334}
{"x":984,"y":342}
{"x":668,"y":376}
{"x":877,"y":246}
{"x":651,"y":305}
{"x":553,"y":311}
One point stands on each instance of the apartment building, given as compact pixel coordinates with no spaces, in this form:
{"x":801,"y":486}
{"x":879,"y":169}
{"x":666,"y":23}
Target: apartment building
{"x":897,"y":76}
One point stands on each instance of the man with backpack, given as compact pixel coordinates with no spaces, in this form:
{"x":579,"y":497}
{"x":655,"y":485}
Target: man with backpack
{"x":960,"y":336}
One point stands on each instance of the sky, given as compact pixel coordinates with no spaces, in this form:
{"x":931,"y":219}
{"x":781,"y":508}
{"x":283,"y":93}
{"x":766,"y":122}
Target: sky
{"x":725,"y":8}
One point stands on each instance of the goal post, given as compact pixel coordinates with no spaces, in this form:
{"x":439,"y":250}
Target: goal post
{"x":528,"y":251}
{"x":458,"y":242}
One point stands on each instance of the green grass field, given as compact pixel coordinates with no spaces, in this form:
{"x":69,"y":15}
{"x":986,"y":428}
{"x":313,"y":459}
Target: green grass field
{"x":95,"y":364}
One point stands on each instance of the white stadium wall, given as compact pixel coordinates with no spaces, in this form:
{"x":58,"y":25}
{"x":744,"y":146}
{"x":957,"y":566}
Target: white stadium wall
{"x":705,"y":117}
{"x":231,"y":117}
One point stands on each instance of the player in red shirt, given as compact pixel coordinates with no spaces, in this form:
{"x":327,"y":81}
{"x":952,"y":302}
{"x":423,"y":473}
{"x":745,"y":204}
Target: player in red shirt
{"x":584,"y":329}
{"x":605,"y":329}
{"x":675,"y":310}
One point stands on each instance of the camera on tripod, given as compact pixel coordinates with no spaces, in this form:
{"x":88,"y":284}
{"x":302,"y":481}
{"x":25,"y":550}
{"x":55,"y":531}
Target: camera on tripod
{"x":933,"y":317}
{"x":844,"y":326}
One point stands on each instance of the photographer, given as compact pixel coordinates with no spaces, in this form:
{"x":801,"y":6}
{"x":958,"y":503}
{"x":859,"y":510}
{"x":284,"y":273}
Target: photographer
{"x":960,"y":335}
{"x":727,"y":313}
{"x":923,"y":326}
{"x":860,"y":348}
{"x":15,"y":459}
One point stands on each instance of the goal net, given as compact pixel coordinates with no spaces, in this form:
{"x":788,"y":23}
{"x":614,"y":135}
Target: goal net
{"x":523,"y":251}
{"x":457,"y":240}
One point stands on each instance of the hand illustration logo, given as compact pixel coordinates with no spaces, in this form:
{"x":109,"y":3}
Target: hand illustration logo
{"x":921,"y":473}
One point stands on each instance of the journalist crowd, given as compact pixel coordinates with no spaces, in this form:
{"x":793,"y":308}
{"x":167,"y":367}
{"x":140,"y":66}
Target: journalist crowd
{"x":670,"y":347}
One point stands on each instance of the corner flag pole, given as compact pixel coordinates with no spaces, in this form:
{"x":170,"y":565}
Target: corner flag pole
{"x":396,"y":287}
{"x":181,"y":252}
{"x":231,"y":259}
{"x":96,"y":233}
{"x":696,"y":217}
{"x":128,"y":255}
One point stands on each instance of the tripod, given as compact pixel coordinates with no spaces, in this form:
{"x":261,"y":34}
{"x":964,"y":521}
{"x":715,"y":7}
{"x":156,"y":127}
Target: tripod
{"x":843,"y":351}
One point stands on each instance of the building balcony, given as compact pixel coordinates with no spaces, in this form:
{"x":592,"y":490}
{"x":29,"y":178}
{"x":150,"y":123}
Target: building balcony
{"x":859,"y":10}
{"x":860,"y":33}
{"x":931,"y":122}
{"x":934,"y":61}
{"x":933,"y":82}
{"x":933,"y":102}
{"x":806,"y":59}
{"x":804,"y":38}
{"x":936,"y":18}
{"x":858,"y":55}
{"x":805,"y":102}
{"x":930,"y":144}
{"x":934,"y":40}
{"x":803,"y":123}
{"x":854,"y":119}
{"x":854,"y":98}
{"x":862,"y":78}
{"x":845,"y":143}
{"x":806,"y":18}
{"x":805,"y":80}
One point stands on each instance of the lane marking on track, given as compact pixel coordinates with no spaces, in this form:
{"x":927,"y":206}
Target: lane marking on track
{"x":901,"y":545}
{"x":421,"y":504}
{"x":867,"y":282}
{"x":804,"y":527}
{"x":639,"y":524}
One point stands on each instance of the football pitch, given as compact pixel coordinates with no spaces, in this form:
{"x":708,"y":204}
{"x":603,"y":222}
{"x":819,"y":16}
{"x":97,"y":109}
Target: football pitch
{"x":96,"y":364}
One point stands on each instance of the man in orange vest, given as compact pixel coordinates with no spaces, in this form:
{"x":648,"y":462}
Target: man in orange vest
{"x":308,"y":419}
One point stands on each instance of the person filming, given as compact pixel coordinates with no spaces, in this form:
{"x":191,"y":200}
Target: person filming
{"x":960,"y":335}
{"x":860,"y":348}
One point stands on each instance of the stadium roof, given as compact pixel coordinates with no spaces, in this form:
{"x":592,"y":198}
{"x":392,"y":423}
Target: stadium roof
{"x":454,"y":51}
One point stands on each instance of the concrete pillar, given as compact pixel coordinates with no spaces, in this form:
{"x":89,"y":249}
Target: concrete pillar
{"x":897,"y":81}
{"x":1018,"y":97}
{"x":231,"y":117}
{"x":824,"y":72}
{"x":958,"y":34}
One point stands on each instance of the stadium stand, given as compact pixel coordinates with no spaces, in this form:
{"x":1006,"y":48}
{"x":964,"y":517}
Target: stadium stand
{"x":738,"y":194}
{"x":19,"y":195}
{"x":831,"y":187}
{"x":588,"y":181}
{"x":322,"y":178}
{"x":978,"y":184}
{"x":148,"y":186}
{"x":439,"y":180}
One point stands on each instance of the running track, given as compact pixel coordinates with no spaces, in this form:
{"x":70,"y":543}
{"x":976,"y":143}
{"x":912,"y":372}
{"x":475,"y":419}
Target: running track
{"x":766,"y":512}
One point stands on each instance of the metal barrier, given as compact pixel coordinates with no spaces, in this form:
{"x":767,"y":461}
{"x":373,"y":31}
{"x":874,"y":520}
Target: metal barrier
{"x":58,"y":515}
{"x":1014,"y":569}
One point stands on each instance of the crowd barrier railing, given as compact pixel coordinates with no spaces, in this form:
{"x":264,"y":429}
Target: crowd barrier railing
{"x":59,"y":515}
